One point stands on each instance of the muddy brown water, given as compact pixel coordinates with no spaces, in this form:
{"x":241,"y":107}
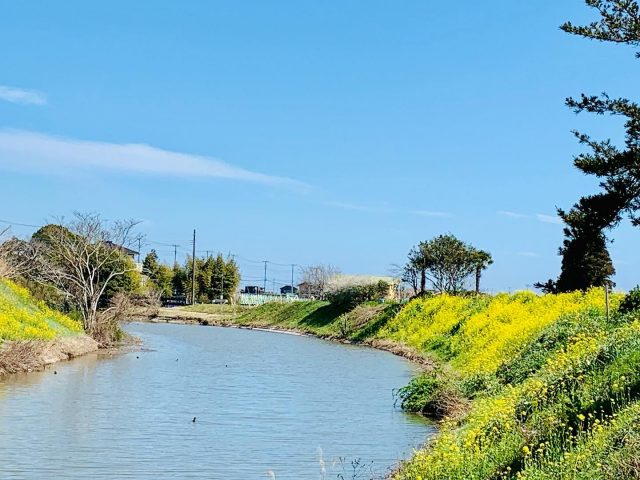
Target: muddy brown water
{"x":266,"y":405}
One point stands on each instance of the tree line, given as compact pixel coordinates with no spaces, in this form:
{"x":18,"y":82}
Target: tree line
{"x":216,"y":278}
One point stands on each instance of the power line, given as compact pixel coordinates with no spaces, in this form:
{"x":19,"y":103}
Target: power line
{"x":7,"y":222}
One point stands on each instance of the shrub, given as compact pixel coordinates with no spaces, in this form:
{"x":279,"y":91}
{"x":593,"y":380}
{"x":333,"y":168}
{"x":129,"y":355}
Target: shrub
{"x":352,"y":296}
{"x":428,"y":394}
{"x":631,"y":302}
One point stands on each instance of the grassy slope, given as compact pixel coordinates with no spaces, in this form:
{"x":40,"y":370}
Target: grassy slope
{"x":21,"y":318}
{"x":317,"y":317}
{"x":555,"y":387}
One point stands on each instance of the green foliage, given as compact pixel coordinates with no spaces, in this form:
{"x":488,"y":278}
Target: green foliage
{"x":586,"y":261}
{"x":215,"y":278}
{"x":423,"y":394}
{"x":352,"y":296}
{"x":550,"y":340}
{"x":160,"y":276}
{"x":129,"y":283}
{"x":631,"y":302}
{"x":446,"y":262}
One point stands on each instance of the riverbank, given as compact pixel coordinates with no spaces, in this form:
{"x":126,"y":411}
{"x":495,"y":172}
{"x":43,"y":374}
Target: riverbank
{"x":318,"y":319}
{"x":33,"y":336}
{"x":34,"y":355}
{"x":527,"y":386}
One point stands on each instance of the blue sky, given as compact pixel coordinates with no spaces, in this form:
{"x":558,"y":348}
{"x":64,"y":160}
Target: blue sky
{"x":307,"y":131}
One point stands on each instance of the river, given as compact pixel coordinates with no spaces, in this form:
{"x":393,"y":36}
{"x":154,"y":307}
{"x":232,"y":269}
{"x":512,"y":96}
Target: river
{"x":266,"y":405}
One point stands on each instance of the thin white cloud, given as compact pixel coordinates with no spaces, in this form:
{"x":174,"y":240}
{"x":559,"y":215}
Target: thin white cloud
{"x":429,"y":213}
{"x":46,"y":154}
{"x":19,"y":95}
{"x":384,"y":209}
{"x":541,"y":217}
{"x":529,"y":254}
{"x":507,"y":213}
{"x":556,"y":220}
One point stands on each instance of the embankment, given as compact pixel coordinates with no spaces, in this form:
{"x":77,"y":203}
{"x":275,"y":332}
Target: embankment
{"x":33,"y":336}
{"x":317,"y":318}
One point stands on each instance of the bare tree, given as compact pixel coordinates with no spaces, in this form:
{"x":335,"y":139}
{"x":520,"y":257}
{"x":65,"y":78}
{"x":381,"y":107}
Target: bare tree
{"x":316,"y":278}
{"x":83,"y":257}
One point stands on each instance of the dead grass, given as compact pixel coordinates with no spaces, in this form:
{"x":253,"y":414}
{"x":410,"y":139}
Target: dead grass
{"x":403,"y":351}
{"x":23,"y":356}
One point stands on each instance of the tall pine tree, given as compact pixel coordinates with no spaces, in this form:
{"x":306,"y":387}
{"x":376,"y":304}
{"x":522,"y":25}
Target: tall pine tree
{"x":586,"y":261}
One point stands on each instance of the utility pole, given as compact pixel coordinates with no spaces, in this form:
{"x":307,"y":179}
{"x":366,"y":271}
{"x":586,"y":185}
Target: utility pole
{"x":292,"y":290}
{"x":193,"y":267}
{"x":606,"y":297}
{"x":265,"y":276}
{"x":139,"y":248}
{"x":222,"y":280}
{"x":175,"y":254}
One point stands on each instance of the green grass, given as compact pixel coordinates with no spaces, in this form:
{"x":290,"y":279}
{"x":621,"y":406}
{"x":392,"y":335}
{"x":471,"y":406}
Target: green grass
{"x":558,"y":399}
{"x":315,"y":317}
{"x":215,"y":309}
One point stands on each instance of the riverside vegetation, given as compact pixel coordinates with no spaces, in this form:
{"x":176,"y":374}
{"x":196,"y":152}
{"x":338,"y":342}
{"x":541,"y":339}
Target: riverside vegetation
{"x":33,"y":335}
{"x":525,"y":385}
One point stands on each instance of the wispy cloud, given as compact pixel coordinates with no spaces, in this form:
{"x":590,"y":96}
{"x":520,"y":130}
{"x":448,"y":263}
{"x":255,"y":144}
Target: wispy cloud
{"x":507,"y":213}
{"x":385,"y":209}
{"x":529,"y":254}
{"x":46,"y":154}
{"x":556,"y":220}
{"x":19,"y":95}
{"x":541,"y":217}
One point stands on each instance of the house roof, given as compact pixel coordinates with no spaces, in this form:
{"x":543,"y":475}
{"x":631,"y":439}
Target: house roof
{"x":122,"y":248}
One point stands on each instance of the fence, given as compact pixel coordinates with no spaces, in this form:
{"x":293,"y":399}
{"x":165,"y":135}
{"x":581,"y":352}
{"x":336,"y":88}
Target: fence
{"x":262,"y":298}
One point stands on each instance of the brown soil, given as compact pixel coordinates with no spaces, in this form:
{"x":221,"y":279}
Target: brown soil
{"x":28,"y":356}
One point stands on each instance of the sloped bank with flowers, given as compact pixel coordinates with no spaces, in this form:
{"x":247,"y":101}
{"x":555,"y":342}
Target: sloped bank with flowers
{"x":553,"y":386}
{"x":32,"y":335}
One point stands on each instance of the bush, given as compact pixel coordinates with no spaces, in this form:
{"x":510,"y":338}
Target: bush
{"x":631,"y":302}
{"x":428,"y":394}
{"x":351,"y":297}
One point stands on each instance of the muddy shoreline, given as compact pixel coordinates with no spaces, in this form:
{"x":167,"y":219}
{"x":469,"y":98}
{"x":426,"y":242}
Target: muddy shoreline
{"x":37,"y":355}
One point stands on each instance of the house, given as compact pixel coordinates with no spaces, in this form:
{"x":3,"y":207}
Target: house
{"x":127,"y":251}
{"x":253,"y":290}
{"x":288,"y":289}
{"x":305,"y":288}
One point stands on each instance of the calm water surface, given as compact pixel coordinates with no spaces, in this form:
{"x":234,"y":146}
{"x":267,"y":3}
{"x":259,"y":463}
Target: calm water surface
{"x":264,"y":402}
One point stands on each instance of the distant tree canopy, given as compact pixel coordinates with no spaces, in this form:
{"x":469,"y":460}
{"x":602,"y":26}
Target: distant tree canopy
{"x":446,"y":263}
{"x":585,"y":259}
{"x":161,"y":276}
{"x":216,"y":278}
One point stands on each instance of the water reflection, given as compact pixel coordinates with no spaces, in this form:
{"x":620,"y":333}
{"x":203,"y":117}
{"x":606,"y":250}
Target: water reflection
{"x":264,"y":403}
